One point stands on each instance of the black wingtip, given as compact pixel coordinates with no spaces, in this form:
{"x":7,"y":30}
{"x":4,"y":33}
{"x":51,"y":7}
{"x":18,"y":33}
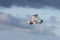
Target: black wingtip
{"x":41,"y":21}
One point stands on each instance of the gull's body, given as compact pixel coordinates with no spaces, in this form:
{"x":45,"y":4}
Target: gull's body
{"x":35,"y":20}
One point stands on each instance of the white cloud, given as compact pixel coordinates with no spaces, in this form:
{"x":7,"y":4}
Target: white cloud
{"x":47,"y":14}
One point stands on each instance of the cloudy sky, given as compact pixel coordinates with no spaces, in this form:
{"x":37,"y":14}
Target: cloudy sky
{"x":21,"y":10}
{"x":30,"y":3}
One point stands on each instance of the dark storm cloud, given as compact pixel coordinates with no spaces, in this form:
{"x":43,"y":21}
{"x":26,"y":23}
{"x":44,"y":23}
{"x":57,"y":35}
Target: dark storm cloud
{"x":30,"y":3}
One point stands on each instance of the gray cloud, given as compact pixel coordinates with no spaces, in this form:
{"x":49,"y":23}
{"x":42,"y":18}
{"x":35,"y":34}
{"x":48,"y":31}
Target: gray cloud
{"x":12,"y":21}
{"x":30,"y":3}
{"x":9,"y":22}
